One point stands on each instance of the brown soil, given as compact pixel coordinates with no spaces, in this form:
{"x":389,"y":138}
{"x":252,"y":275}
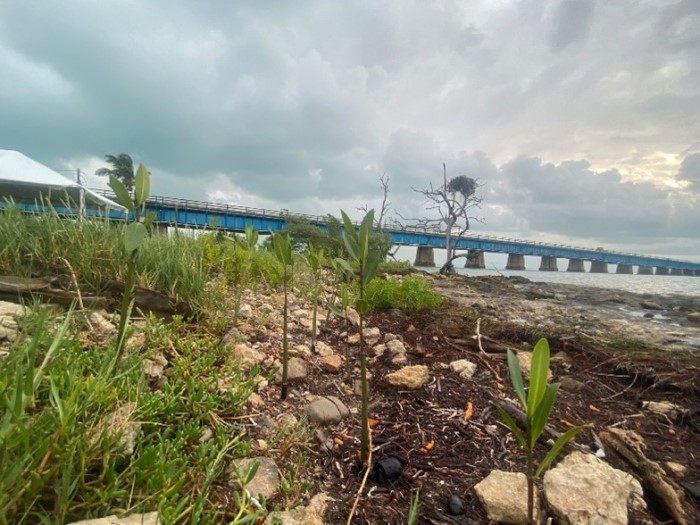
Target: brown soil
{"x":445,"y":450}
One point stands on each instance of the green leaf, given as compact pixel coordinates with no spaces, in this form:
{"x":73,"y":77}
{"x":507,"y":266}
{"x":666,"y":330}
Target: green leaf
{"x":252,"y":471}
{"x":348,"y":225}
{"x":133,"y":236}
{"x":121,"y":193}
{"x":541,"y":415}
{"x":538,"y":376}
{"x":556,"y":448}
{"x":150,"y":218}
{"x":345,"y":296}
{"x":336,"y":311}
{"x":362,"y":306}
{"x":516,"y":377}
{"x":351,"y":246}
{"x":512,"y":425}
{"x":345,"y":265}
{"x":371,"y":265}
{"x":143,"y":185}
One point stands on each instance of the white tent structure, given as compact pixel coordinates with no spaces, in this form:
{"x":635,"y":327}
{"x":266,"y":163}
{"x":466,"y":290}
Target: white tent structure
{"x":25,"y":180}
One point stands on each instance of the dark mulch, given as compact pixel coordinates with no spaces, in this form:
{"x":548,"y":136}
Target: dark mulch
{"x":465,"y":450}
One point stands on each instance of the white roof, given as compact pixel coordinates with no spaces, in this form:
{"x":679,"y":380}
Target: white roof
{"x":22,"y":179}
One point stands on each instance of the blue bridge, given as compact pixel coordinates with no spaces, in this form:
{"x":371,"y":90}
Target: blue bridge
{"x":183,"y":213}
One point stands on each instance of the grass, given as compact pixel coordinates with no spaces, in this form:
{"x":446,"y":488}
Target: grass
{"x":409,"y":294}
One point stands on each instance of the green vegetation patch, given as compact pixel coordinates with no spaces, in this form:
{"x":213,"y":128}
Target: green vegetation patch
{"x":408,"y":294}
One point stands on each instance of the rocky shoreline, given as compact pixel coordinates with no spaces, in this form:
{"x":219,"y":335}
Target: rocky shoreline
{"x":668,"y":322}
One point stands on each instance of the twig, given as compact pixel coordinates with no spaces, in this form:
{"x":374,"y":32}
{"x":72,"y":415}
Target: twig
{"x":622,"y":391}
{"x":482,"y":358}
{"x":364,"y":481}
{"x":77,"y":288}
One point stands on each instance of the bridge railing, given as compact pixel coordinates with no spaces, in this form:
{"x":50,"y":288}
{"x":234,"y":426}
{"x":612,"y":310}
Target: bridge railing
{"x":172,"y":202}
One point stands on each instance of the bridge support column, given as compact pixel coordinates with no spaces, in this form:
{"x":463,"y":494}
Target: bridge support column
{"x":548,"y":264}
{"x":676,"y":271}
{"x":660,"y":270}
{"x":645,"y":270}
{"x":425,"y":256}
{"x":475,"y":259}
{"x":599,"y":267}
{"x":160,"y":228}
{"x":624,"y":268}
{"x":516,"y":261}
{"x":575,"y":265}
{"x":688,"y":272}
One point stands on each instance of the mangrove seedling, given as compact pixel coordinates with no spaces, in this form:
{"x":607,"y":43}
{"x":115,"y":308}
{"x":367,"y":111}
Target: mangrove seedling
{"x":315,"y":258}
{"x":283,"y":251}
{"x":134,"y":235}
{"x":367,"y":260}
{"x":537,"y":406}
{"x":241,"y":269}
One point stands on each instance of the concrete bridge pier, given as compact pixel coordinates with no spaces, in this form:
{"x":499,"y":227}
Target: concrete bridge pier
{"x":475,"y":259}
{"x":160,"y":228}
{"x":548,"y":264}
{"x":660,"y":270}
{"x":689,"y":272}
{"x":599,"y":267}
{"x":425,"y":256}
{"x":676,"y":271}
{"x":575,"y":265}
{"x":516,"y":261}
{"x":624,"y":268}
{"x":644,"y":270}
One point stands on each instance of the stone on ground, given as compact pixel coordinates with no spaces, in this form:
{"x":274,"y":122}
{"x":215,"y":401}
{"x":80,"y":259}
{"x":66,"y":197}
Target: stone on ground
{"x":247,"y":355}
{"x":694,"y":317}
{"x":266,"y":479}
{"x":311,"y":514}
{"x":583,"y":490}
{"x":651,"y":305}
{"x":154,"y":366}
{"x":245,"y":311}
{"x":411,"y":377}
{"x":464,"y":368}
{"x":664,"y":408}
{"x":326,"y":410}
{"x":323,"y":349}
{"x":371,"y":335}
{"x":150,"y":518}
{"x":353,"y":317}
{"x":331,"y":363}
{"x":504,"y":496}
{"x":102,"y":329}
{"x":395,"y":346}
{"x":120,"y":426}
{"x":296,"y":370}
{"x":525,"y":362}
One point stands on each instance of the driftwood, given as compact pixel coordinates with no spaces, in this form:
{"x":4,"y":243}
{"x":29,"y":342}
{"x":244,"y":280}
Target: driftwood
{"x":48,"y":289}
{"x":625,"y":447}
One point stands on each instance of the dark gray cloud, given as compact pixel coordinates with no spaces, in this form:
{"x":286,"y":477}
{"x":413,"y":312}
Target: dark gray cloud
{"x":301,"y":104}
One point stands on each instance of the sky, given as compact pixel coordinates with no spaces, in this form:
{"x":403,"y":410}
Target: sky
{"x":580,"y":118}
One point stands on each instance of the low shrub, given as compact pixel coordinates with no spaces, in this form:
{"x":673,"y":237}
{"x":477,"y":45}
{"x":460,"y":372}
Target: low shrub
{"x":409,"y":294}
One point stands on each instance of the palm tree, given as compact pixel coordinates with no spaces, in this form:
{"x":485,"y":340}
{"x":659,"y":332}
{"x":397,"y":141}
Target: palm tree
{"x":122,"y":169}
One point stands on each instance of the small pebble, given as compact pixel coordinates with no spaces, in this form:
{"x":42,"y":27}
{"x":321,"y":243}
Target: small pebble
{"x":455,"y":506}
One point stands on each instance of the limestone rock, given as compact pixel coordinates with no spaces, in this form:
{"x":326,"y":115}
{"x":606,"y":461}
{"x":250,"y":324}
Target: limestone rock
{"x":353,"y":317}
{"x":331,"y":363}
{"x":583,"y":490}
{"x":525,"y":361}
{"x":119,"y":425}
{"x":371,"y":335}
{"x":326,"y":410}
{"x":650,"y":305}
{"x":694,"y":317}
{"x":102,"y":329}
{"x":411,"y":377}
{"x":504,"y":496}
{"x":324,"y":349}
{"x":300,"y":351}
{"x":311,"y":514}
{"x":266,"y":479}
{"x":247,"y":355}
{"x":296,"y":370}
{"x":8,"y":309}
{"x":399,"y":359}
{"x":675,"y":469}
{"x":664,"y":408}
{"x":464,"y":368}
{"x":154,"y":366}
{"x":150,"y":518}
{"x":395,"y":346}
{"x":570,"y":384}
{"x":255,"y":401}
{"x":245,"y":311}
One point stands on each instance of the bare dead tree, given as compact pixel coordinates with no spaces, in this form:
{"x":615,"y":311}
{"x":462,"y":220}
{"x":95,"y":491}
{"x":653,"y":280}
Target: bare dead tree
{"x":382,"y":217}
{"x":454,"y":202}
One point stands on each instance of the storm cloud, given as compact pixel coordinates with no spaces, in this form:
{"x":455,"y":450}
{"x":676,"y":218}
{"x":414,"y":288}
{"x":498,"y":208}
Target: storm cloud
{"x":580,"y":118}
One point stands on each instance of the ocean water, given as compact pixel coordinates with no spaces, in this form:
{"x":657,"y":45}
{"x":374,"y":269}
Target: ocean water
{"x":496,"y":262}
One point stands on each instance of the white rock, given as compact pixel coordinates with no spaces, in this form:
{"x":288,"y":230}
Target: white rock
{"x":583,"y":490}
{"x":311,"y":514}
{"x":371,"y":335}
{"x":247,"y":355}
{"x":664,"y":408}
{"x":266,"y":479}
{"x":296,"y":370}
{"x":120,"y":426}
{"x":464,"y":368}
{"x":101,"y":327}
{"x":154,"y":366}
{"x":504,"y":496}
{"x":353,"y":317}
{"x":245,"y":311}
{"x":675,"y":469}
{"x":411,"y":377}
{"x":395,"y":346}
{"x":399,"y":359}
{"x":300,"y":351}
{"x":8,"y":309}
{"x":150,"y":518}
{"x":324,"y":349}
{"x":255,"y":401}
{"x":525,"y":361}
